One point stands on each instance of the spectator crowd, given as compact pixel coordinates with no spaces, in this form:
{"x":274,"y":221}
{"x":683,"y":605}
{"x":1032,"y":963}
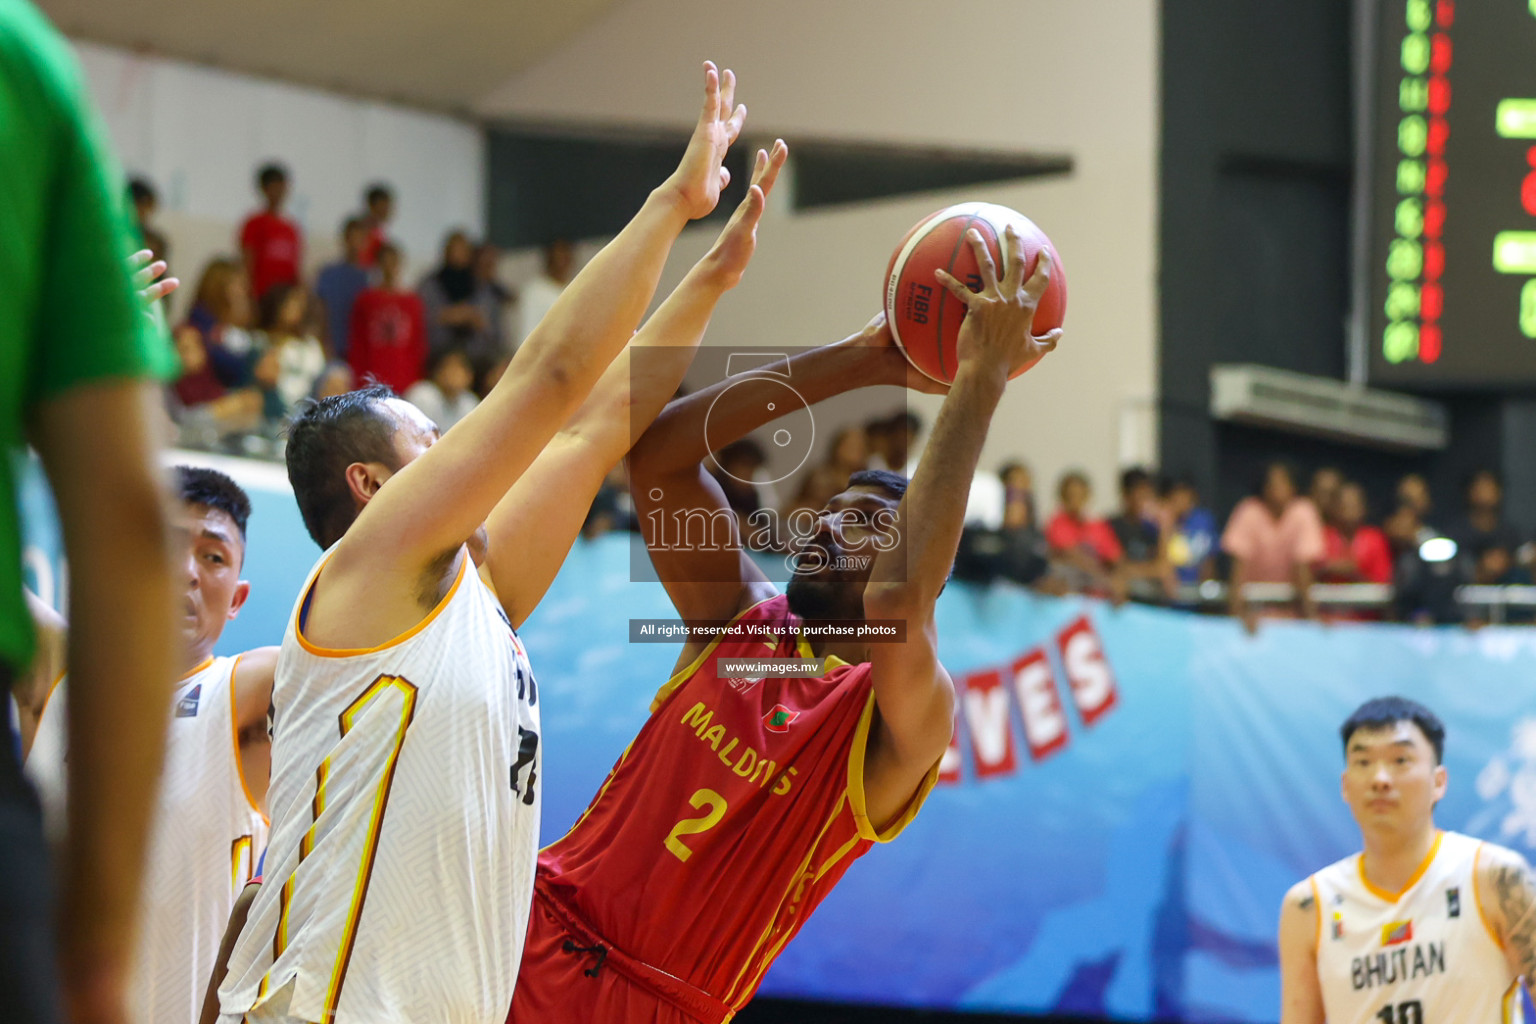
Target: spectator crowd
{"x":259,"y":338}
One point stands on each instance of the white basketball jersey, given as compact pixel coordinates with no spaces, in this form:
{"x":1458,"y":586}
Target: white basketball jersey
{"x":1425,"y":955}
{"x":205,"y":840}
{"x":405,"y":806}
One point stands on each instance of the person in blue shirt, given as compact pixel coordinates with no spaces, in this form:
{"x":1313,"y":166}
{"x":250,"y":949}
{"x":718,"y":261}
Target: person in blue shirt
{"x":1192,"y":532}
{"x":340,"y":282}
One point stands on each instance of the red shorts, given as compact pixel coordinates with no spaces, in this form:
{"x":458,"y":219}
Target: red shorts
{"x":569,"y":973}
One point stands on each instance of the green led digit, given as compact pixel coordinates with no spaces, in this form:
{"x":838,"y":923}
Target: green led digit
{"x":1416,"y":54}
{"x":1410,"y":176}
{"x":1412,"y":134}
{"x":1410,"y":218}
{"x":1413,"y":94}
{"x":1418,"y":15}
{"x":1399,"y":342}
{"x":1528,"y":293}
{"x":1405,"y":260}
{"x":1514,"y":252}
{"x":1402,"y":301}
{"x":1516,"y":118}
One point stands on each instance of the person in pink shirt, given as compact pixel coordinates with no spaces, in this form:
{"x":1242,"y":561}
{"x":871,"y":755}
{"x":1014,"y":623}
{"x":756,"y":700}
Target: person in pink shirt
{"x":1274,"y":536}
{"x":272,"y":244}
{"x":1081,"y":543}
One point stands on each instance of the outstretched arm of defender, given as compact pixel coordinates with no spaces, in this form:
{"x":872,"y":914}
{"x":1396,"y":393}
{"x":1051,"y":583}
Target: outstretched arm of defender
{"x":1301,"y":995}
{"x":534,"y":526}
{"x":441,"y":498}
{"x":913,"y":693}
{"x":714,"y":582}
{"x":1506,"y":893}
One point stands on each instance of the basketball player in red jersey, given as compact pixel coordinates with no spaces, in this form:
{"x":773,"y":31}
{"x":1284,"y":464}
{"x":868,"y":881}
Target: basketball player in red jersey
{"x":742,"y":801}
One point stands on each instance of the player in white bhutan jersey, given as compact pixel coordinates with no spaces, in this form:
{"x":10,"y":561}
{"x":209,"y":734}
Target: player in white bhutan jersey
{"x":1423,"y":926}
{"x":405,"y":759}
{"x":209,"y":827}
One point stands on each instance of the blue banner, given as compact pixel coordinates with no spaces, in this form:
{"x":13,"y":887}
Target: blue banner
{"x":1130,"y":792}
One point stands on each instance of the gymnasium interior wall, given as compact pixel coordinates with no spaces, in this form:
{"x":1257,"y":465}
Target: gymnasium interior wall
{"x":1077,"y":78}
{"x":199,"y":133}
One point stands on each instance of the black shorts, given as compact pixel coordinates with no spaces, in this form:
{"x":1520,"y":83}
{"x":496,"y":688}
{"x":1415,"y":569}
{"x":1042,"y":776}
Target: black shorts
{"x":29,"y":990}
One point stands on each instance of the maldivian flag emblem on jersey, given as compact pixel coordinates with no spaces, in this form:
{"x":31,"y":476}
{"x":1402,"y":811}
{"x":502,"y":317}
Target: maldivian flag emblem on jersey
{"x":1396,"y":933}
{"x":779,"y":718}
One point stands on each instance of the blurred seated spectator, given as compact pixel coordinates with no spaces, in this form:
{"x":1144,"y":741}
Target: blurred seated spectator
{"x":737,"y":468}
{"x":1353,"y":550}
{"x":447,"y":394}
{"x":901,"y":432}
{"x":289,"y":357}
{"x":987,"y":503}
{"x":1324,"y":490}
{"x":847,"y":454}
{"x":1273,"y":536}
{"x":536,"y":296}
{"x":1496,"y":567}
{"x":272,"y":243}
{"x":1413,"y":491}
{"x":1015,"y":548}
{"x":1426,"y":579}
{"x":388,"y":334}
{"x":496,"y":302}
{"x":1086,"y":548}
{"x":341,"y":282}
{"x":1190,"y":533}
{"x":611,"y":508}
{"x":454,"y":319}
{"x":1145,"y":571}
{"x":876,"y":435}
{"x":378,"y":210}
{"x":219,"y":316}
{"x":1483,"y":524}
{"x":145,"y":202}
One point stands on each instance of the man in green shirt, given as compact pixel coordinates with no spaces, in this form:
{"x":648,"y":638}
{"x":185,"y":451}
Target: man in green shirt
{"x":77,"y":366}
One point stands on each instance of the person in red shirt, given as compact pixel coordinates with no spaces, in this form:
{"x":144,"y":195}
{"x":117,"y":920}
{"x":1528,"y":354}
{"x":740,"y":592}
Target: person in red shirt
{"x":388,"y":339}
{"x":272,"y":244}
{"x":743,"y":801}
{"x":1085,"y":546}
{"x":378,"y":209}
{"x":1353,"y":551}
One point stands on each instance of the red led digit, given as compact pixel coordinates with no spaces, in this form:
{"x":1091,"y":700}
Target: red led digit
{"x":1434,"y":261}
{"x":1445,"y":13}
{"x":1439,"y":131}
{"x":1439,"y":95}
{"x":1429,"y":342}
{"x":1431,"y":303}
{"x":1434,"y":218}
{"x":1440,"y":53}
{"x":1434,"y":179}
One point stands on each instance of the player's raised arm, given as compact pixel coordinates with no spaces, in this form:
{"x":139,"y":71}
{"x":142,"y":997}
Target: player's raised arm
{"x":437,"y":501}
{"x":710,"y":582}
{"x":913,"y":693}
{"x":1301,"y":995}
{"x":532,"y":529}
{"x":1506,"y":893}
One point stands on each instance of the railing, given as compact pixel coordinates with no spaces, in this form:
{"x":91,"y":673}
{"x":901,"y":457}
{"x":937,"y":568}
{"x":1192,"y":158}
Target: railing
{"x":1495,"y":600}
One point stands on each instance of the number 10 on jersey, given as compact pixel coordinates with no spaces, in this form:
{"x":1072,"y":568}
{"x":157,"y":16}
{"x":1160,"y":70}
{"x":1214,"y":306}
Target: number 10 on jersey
{"x":1409,"y":1012}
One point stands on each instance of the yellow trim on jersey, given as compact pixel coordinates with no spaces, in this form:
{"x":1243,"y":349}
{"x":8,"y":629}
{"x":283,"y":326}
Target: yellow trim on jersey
{"x":1509,"y":1009}
{"x":234,"y":739}
{"x":239,"y":846}
{"x":856,"y":753}
{"x":353,"y":652}
{"x":195,"y":671}
{"x":681,"y":676}
{"x":37,"y":726}
{"x":1393,"y":897}
{"x":1477,"y":899}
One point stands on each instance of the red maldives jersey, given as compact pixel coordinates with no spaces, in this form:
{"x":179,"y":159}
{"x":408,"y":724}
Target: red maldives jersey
{"x":730,"y":817}
{"x":275,"y":248}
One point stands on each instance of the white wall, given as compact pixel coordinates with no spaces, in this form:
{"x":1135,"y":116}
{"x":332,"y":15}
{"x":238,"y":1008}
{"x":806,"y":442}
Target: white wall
{"x":1078,"y":77}
{"x":200,"y":133}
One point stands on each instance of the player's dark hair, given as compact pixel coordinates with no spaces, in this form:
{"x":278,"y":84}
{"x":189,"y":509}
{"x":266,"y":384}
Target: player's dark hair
{"x":324,"y":439}
{"x":1133,"y":478}
{"x":198,"y":485}
{"x":141,"y":191}
{"x":270,"y":174}
{"x":378,"y":190}
{"x":1385,"y":712}
{"x":884,"y":479}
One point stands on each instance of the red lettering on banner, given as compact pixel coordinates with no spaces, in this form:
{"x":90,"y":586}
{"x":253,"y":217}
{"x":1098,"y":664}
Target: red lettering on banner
{"x":949,"y":764}
{"x":1034,"y":689}
{"x":986,"y":719}
{"x":1082,"y":656}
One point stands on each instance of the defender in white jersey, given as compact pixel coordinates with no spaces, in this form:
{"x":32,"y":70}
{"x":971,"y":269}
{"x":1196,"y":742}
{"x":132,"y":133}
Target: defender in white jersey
{"x":1422,"y":926}
{"x":406,"y":763}
{"x":209,"y":827}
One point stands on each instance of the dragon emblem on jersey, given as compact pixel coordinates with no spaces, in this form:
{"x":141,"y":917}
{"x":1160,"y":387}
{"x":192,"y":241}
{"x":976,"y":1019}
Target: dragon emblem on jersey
{"x":779,"y":719}
{"x":1396,"y":933}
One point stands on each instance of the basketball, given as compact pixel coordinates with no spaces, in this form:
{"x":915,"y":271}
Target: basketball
{"x":924,"y":318}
